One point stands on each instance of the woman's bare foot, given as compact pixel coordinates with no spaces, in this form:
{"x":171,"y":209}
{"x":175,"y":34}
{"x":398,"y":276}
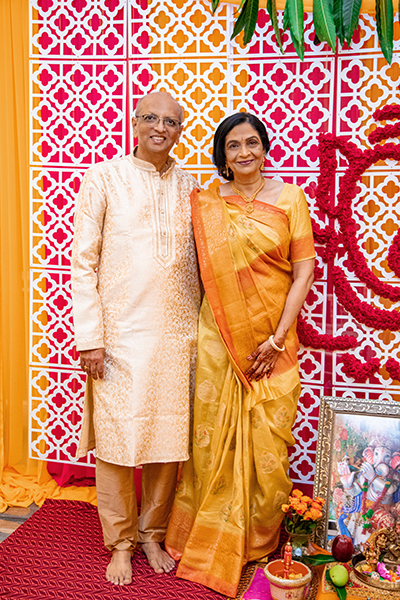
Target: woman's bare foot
{"x":119,"y":571}
{"x":159,"y":560}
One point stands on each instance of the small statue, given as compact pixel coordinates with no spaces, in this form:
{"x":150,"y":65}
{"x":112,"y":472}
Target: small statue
{"x":392,"y":554}
{"x":287,"y":560}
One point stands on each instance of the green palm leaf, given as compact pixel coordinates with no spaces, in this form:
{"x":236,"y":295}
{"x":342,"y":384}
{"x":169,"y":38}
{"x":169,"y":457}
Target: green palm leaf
{"x":240,"y":21}
{"x":214,"y":5}
{"x":247,"y":20}
{"x":324,"y":23}
{"x":286,"y":19}
{"x":251,"y":20}
{"x":384,"y":26}
{"x":298,"y":46}
{"x":296,"y":20}
{"x":271,"y":8}
{"x":338,"y":18}
{"x":351,"y":15}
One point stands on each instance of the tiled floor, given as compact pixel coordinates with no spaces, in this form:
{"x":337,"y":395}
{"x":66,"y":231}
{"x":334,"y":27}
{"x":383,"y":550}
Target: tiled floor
{"x":13,"y":518}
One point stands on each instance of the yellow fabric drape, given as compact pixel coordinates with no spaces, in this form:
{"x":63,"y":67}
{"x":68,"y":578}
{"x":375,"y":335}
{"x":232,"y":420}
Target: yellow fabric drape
{"x":23,"y":480}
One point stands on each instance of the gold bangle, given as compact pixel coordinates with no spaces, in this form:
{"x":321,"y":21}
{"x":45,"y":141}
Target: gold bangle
{"x":275,"y":347}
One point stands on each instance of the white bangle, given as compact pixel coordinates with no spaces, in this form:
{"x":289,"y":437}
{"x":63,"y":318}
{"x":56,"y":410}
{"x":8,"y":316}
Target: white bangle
{"x":275,"y":347}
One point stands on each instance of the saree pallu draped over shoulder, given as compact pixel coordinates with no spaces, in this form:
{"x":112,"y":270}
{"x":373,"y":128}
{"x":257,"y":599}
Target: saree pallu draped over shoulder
{"x":227,"y":508}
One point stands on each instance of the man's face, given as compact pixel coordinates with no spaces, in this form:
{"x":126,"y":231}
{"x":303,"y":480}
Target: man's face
{"x":157,"y":127}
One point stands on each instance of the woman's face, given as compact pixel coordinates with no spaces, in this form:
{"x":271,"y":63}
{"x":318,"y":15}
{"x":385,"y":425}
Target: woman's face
{"x":244,"y":151}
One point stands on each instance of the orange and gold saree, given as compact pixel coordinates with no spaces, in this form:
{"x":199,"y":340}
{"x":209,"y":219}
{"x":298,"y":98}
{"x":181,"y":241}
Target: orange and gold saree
{"x":227,"y":508}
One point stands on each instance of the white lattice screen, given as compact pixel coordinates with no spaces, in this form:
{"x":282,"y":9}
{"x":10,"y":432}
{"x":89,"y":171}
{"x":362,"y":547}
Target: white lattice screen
{"x":90,"y":61}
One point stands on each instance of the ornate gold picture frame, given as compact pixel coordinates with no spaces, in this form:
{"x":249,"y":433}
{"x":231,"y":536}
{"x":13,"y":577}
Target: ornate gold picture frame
{"x":357,"y":467}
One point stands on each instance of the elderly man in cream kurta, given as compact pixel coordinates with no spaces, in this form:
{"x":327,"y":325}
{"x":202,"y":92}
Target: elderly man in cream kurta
{"x":136,"y":297}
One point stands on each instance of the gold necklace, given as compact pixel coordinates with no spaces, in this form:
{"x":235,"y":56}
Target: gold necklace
{"x":248,"y":200}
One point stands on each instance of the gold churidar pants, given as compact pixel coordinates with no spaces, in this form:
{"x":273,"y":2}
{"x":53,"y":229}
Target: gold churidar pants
{"x":116,"y":501}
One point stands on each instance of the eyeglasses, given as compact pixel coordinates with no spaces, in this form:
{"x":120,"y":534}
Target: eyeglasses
{"x":168,"y":122}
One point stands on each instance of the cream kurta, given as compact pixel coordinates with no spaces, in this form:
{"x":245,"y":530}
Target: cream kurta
{"x":136,"y":293}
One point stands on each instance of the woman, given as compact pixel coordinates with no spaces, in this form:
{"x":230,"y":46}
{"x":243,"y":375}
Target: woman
{"x":256,"y":256}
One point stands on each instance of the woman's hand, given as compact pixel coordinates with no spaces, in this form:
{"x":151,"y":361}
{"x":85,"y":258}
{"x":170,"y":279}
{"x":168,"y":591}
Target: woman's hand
{"x":264,"y":358}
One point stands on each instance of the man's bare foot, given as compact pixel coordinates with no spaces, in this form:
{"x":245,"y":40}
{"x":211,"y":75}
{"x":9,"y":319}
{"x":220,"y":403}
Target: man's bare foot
{"x":159,"y":560}
{"x":119,"y":571}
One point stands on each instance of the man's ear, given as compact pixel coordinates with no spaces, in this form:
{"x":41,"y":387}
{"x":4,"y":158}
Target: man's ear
{"x":180,"y":133}
{"x":134,"y":126}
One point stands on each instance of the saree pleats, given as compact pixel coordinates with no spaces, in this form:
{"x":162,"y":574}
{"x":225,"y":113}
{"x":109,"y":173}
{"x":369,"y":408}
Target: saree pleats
{"x":227,"y":512}
{"x":227,"y":507}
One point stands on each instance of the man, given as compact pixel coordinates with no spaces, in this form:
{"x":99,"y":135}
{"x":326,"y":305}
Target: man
{"x":136,"y":298}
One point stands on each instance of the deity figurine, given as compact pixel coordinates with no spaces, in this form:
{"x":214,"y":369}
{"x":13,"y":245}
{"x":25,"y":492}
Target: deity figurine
{"x":373,"y":487}
{"x":392,"y":554}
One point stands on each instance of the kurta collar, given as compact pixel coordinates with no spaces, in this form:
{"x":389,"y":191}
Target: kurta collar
{"x":146,"y":166}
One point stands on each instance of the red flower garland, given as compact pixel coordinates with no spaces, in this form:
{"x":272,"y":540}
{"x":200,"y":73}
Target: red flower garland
{"x":377,"y":318}
{"x":359,"y":371}
{"x":393,"y":368}
{"x":383,"y":133}
{"x":309,"y":337}
{"x":387,"y":113}
{"x":359,"y":161}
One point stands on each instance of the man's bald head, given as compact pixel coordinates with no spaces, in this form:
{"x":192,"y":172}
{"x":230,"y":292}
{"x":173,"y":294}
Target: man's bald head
{"x":156,"y":136}
{"x":141,"y":106}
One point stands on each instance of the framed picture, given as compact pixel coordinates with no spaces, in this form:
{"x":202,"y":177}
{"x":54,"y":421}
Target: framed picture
{"x":357,"y":468}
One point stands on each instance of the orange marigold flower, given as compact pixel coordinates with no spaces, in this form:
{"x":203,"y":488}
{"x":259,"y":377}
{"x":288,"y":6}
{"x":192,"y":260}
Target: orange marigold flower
{"x":285,"y":507}
{"x":320,"y":501}
{"x":294,"y":502}
{"x":306,"y":499}
{"x":307,"y":516}
{"x":297,"y":493}
{"x":316,"y":506}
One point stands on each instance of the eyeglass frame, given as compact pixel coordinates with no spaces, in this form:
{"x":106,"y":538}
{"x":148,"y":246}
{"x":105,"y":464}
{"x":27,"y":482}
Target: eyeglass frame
{"x":175,"y":127}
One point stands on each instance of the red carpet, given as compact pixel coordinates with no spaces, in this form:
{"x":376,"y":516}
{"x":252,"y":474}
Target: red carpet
{"x":58,"y":554}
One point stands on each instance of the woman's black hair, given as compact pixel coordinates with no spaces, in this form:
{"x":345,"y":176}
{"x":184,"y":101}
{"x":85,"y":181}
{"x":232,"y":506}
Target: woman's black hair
{"x":219,"y":156}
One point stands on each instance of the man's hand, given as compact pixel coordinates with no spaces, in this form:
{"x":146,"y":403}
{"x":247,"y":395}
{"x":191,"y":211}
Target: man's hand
{"x":92,"y":362}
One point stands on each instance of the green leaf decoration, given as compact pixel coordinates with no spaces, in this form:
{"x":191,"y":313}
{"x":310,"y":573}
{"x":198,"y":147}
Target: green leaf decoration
{"x":247,"y":20}
{"x":331,"y":18}
{"x":318,"y":559}
{"x":351,"y":15}
{"x":251,"y":20}
{"x":240,"y":21}
{"x":324,"y":23}
{"x":341,"y":592}
{"x":316,"y":40}
{"x":339,"y":19}
{"x":298,"y":46}
{"x":296,"y":20}
{"x":214,"y":5}
{"x":384,"y":26}
{"x":271,"y":9}
{"x":286,"y":20}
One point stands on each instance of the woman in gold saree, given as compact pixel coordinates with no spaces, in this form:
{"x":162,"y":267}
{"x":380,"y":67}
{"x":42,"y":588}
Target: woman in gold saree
{"x":256,"y":256}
